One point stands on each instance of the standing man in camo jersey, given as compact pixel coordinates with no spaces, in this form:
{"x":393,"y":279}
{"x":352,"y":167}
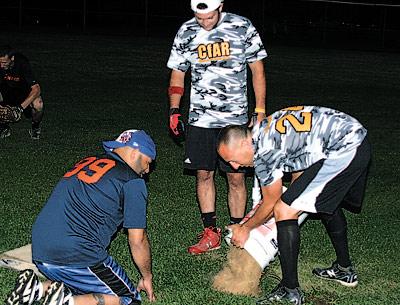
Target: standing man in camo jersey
{"x":217,"y":47}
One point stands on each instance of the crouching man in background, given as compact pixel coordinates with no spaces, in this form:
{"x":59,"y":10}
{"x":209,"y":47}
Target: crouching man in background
{"x":19,"y":89}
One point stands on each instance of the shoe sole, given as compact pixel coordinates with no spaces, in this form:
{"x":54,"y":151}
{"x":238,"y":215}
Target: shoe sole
{"x":55,"y":287}
{"x":209,"y":250}
{"x":32,"y":137}
{"x":5,"y":136}
{"x":23,"y":280}
{"x":13,"y":299}
{"x":267,"y":301}
{"x":354,"y":284}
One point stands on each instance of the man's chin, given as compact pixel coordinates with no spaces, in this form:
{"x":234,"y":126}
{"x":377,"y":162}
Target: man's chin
{"x":208,"y":29}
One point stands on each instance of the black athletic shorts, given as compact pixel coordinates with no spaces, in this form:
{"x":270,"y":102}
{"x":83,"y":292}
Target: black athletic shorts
{"x":201,"y":151}
{"x":331,"y":183}
{"x":14,"y":96}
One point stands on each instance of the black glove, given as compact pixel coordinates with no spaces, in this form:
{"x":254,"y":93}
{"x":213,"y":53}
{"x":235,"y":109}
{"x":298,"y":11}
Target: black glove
{"x":176,"y":125}
{"x":10,"y":114}
{"x":17,"y":112}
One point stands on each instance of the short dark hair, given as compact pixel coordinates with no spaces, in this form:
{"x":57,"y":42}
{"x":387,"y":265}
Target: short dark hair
{"x":6,"y":50}
{"x":202,"y":6}
{"x":232,"y":132}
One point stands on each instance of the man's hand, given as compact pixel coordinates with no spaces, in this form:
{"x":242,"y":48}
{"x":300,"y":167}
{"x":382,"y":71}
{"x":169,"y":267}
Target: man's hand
{"x":240,"y":234}
{"x":261,"y":116}
{"x":256,"y":118}
{"x":176,"y":124}
{"x":146,"y":285}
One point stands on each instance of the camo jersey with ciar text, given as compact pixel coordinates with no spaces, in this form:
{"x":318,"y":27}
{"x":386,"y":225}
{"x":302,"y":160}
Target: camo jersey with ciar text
{"x":217,"y":60}
{"x":295,"y":138}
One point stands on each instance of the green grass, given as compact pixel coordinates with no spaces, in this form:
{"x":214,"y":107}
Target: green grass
{"x":96,"y":86}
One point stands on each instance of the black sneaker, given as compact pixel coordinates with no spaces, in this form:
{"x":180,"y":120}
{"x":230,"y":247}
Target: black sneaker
{"x":283,"y":294}
{"x":5,"y":132}
{"x":27,"y":290}
{"x":35,"y":133}
{"x":345,"y":276}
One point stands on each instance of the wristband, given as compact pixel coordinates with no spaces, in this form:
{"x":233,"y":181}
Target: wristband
{"x":259,"y":110}
{"x":175,"y":90}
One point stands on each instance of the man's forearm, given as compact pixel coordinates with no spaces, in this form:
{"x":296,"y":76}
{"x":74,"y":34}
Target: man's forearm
{"x":177,"y":80}
{"x":141,"y":255}
{"x":34,"y":94}
{"x":261,"y":216}
{"x":259,"y":83}
{"x":174,"y":101}
{"x":260,"y":90}
{"x":271,"y":194}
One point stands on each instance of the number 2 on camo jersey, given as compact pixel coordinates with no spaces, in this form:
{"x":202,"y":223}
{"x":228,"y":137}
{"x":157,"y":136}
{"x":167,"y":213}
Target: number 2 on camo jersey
{"x":298,"y":126}
{"x":97,"y":168}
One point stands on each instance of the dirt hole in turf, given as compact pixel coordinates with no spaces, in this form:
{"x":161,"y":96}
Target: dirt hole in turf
{"x":318,"y":301}
{"x":315,"y":299}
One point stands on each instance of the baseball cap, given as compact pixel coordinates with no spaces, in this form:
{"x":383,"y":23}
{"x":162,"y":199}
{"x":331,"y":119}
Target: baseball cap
{"x":137,"y":139}
{"x":205,"y":6}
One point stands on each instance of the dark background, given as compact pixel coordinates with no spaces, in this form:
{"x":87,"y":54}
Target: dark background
{"x":363,"y":24}
{"x":108,"y":76}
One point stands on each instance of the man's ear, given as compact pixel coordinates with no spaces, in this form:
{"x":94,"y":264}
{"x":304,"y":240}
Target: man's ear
{"x":246,"y":142}
{"x":220,"y":8}
{"x":133,"y":154}
{"x":130,"y":154}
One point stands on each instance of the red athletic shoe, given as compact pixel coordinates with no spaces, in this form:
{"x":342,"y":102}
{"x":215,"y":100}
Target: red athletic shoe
{"x":209,"y":239}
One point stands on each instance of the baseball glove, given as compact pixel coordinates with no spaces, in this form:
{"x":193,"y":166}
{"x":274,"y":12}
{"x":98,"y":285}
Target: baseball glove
{"x":10,"y":114}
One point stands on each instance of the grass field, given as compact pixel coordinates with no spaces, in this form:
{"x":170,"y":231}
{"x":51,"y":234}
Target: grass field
{"x":96,"y":86}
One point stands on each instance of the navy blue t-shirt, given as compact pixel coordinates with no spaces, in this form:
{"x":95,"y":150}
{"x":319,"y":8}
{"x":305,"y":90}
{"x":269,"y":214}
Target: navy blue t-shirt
{"x":85,"y":209}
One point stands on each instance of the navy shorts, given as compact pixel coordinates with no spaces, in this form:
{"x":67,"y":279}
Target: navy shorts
{"x":104,"y":278}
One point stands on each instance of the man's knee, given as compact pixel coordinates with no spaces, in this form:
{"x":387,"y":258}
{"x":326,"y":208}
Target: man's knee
{"x":204,"y":176}
{"x":236,"y":181}
{"x":282,"y":211}
{"x":37,"y":104}
{"x":334,"y":222}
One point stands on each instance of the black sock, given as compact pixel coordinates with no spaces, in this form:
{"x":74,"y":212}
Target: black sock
{"x":336,"y":226}
{"x":35,"y":125}
{"x":37,"y":117}
{"x":289,"y":246}
{"x":234,"y":220}
{"x":209,"y":219}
